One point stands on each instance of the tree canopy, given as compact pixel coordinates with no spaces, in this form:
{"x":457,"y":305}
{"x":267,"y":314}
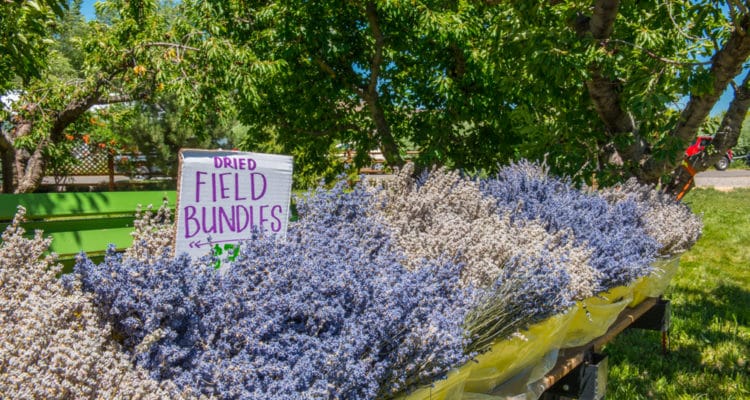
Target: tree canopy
{"x":601,"y":90}
{"x":137,"y":52}
{"x":25,"y":30}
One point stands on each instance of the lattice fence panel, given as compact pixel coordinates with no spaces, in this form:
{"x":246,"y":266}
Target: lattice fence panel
{"x":94,"y":164}
{"x":87,"y":162}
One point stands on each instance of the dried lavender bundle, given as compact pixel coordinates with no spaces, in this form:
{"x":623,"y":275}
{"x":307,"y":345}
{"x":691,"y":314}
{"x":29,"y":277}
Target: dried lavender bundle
{"x":329,"y":312}
{"x":671,"y":223}
{"x":622,"y":250}
{"x":153,"y":233}
{"x":530,"y":274}
{"x":443,"y":214}
{"x":54,"y":344}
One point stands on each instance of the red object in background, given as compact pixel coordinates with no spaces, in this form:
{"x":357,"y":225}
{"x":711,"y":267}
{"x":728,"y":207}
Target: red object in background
{"x":701,"y":142}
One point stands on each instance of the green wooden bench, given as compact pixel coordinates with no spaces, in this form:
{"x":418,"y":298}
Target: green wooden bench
{"x":85,"y":221}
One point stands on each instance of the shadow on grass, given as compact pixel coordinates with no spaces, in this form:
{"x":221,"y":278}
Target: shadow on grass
{"x":710,"y":343}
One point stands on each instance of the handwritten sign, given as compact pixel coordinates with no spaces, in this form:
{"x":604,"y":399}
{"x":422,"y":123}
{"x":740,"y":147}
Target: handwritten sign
{"x":224,"y":195}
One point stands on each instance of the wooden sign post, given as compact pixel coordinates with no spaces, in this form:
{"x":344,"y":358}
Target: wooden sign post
{"x":222,"y":196}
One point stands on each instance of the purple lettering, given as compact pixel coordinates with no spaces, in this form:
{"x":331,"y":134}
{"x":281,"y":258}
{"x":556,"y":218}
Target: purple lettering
{"x":213,"y":186}
{"x":262,"y":217}
{"x":224,"y":218}
{"x":237,"y":188}
{"x":223,"y":188}
{"x":251,"y":164}
{"x":217,"y":162}
{"x":276,"y":212}
{"x":190,"y":216}
{"x":198,"y":183}
{"x":206,"y":229}
{"x":257,"y":188}
{"x":240,"y":210}
{"x":242,"y":163}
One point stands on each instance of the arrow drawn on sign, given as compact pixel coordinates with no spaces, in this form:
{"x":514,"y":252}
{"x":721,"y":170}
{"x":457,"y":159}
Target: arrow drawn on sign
{"x":198,"y":244}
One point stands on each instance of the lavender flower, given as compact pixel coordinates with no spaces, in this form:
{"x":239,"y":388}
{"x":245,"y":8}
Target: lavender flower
{"x":530,"y":273}
{"x":671,"y":223}
{"x":54,"y":344}
{"x":622,"y":251}
{"x":328,"y":312}
{"x":153,"y":233}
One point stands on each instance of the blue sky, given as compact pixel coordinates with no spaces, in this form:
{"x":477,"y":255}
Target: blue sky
{"x":725,"y":99}
{"x":87,"y":9}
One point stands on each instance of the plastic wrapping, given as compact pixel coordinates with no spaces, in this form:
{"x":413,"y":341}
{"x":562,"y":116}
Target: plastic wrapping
{"x":511,"y":366}
{"x":449,"y":388}
{"x":509,"y":357}
{"x":522,"y":386}
{"x":655,"y":283}
{"x":595,"y":315}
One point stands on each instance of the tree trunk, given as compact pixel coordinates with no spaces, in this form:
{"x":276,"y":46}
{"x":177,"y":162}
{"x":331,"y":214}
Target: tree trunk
{"x":726,"y":64}
{"x":388,"y":144}
{"x":22,"y":171}
{"x":27,"y":168}
{"x":30,"y":169}
{"x":726,"y":137}
{"x":648,"y":165}
{"x":8,"y":156}
{"x":629,"y":147}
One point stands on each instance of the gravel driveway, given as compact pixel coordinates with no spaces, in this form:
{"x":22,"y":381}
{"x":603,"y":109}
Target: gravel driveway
{"x":723,"y":180}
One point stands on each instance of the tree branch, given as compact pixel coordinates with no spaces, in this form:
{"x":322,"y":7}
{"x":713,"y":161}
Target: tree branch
{"x":388,"y":144}
{"x":726,"y":65}
{"x":330,"y":71}
{"x":654,"y":55}
{"x":70,"y":114}
{"x":326,"y":132}
{"x":377,"y":58}
{"x":114,"y":99}
{"x":603,"y":19}
{"x":605,"y":95}
{"x":726,"y":137}
{"x":172,"y":45}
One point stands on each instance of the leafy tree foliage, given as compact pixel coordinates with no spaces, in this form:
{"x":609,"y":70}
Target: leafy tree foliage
{"x":139,"y":51}
{"x":158,"y":131}
{"x":595,"y":87}
{"x":602,"y":90}
{"x":25,"y":29}
{"x":743,"y":143}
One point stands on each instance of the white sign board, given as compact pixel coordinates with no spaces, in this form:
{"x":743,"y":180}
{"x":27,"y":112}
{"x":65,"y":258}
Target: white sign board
{"x":223,"y":195}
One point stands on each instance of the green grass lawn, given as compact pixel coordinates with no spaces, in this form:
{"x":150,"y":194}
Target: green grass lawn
{"x":709,"y":351}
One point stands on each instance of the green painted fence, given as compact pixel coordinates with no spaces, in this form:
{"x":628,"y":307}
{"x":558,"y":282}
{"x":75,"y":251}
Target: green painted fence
{"x":82,"y":221}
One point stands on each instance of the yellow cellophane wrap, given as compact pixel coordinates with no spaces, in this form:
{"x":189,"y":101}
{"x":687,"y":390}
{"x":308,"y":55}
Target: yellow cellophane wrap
{"x":449,"y":388}
{"x":504,"y":359}
{"x":508,"y":357}
{"x":656,"y":282}
{"x":535,"y":347}
{"x":596,"y":314}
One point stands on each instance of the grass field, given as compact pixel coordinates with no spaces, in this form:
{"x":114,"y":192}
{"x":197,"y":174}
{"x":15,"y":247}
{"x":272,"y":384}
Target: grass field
{"x":709,"y":351}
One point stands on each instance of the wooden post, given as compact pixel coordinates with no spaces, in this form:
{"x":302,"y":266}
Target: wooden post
{"x":111,"y":170}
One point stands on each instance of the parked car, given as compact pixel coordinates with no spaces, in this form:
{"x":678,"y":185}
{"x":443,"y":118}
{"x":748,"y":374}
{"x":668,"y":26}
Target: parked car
{"x":701,"y":142}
